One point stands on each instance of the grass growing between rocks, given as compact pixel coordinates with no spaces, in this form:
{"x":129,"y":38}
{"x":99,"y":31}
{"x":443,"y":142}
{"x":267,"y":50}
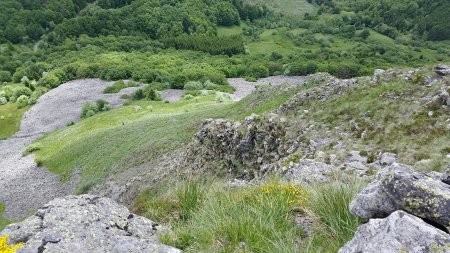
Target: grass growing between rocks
{"x":330,"y":204}
{"x":3,"y":221}
{"x":388,"y":117}
{"x":10,"y":118}
{"x":214,"y":217}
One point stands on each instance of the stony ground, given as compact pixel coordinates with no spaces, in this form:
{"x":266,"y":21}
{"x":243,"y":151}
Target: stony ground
{"x":26,"y":186}
{"x":244,"y":88}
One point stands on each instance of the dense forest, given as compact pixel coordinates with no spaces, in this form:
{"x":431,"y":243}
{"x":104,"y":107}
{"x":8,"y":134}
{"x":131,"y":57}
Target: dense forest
{"x":176,"y":41}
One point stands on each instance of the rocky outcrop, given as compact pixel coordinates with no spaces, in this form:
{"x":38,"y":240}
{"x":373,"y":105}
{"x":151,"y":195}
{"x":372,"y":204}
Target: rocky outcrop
{"x":415,"y":212}
{"x":397,"y":187}
{"x":86,"y":224}
{"x":442,"y":70}
{"x":399,"y":232}
{"x":244,"y":148}
{"x":328,"y":86}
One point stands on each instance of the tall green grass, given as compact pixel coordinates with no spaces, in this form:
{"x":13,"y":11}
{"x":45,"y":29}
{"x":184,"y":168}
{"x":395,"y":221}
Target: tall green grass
{"x":213,"y":217}
{"x":330,"y":204}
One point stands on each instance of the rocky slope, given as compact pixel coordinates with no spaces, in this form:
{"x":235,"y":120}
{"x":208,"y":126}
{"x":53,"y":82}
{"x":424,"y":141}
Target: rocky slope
{"x":295,"y":138}
{"x":25,"y":185}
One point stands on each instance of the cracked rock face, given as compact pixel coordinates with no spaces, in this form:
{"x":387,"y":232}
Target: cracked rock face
{"x":397,"y":187}
{"x":85,"y":223}
{"x":400,"y":232}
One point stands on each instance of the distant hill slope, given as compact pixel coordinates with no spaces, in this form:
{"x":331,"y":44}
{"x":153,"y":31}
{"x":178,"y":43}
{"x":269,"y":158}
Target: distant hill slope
{"x":290,"y":7}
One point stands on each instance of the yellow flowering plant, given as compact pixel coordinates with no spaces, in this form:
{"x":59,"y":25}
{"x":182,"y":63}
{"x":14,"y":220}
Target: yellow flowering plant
{"x":5,"y":248}
{"x":276,"y":193}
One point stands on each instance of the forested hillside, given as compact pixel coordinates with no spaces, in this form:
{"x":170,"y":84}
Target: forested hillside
{"x":169,"y":43}
{"x":421,"y":17}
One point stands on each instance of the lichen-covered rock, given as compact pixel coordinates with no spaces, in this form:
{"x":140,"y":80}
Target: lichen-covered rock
{"x":388,"y":159}
{"x":85,"y":224}
{"x":326,"y":86}
{"x":399,"y":232}
{"x":243,"y":148}
{"x":309,"y":171}
{"x":442,"y":70}
{"x":397,"y":187}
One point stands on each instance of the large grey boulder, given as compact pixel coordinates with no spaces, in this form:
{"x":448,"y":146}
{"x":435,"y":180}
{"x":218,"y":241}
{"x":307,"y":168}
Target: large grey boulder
{"x":399,"y":232}
{"x":85,"y":224}
{"x":397,"y":187}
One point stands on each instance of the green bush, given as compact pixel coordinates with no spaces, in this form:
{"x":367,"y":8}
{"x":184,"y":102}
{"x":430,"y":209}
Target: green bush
{"x":37,"y":93}
{"x":50,"y":80}
{"x":19,"y":91}
{"x":90,"y":109}
{"x":257,"y":71}
{"x":138,"y":95}
{"x":22,"y":101}
{"x":188,"y":97}
{"x":208,"y":85}
{"x":3,"y":100}
{"x":5,"y":76}
{"x":116,"y":87}
{"x":152,"y":94}
{"x":193,"y":85}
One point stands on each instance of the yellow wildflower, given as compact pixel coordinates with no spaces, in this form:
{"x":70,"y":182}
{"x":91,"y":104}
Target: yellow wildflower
{"x":5,"y":248}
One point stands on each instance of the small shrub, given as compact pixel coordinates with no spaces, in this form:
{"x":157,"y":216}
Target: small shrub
{"x":22,"y":101}
{"x":371,"y":158}
{"x":194,"y":93}
{"x":188,"y":97}
{"x":132,"y":84}
{"x":115,"y":88}
{"x":193,"y":85}
{"x":90,"y":109}
{"x":152,"y":94}
{"x":418,"y":79}
{"x":250,"y":79}
{"x":138,"y":95}
{"x":5,"y":76}
{"x":37,"y":93}
{"x":208,"y":85}
{"x":221,"y":97}
{"x":50,"y":80}
{"x":257,"y":71}
{"x":3,"y":101}
{"x":19,"y":91}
